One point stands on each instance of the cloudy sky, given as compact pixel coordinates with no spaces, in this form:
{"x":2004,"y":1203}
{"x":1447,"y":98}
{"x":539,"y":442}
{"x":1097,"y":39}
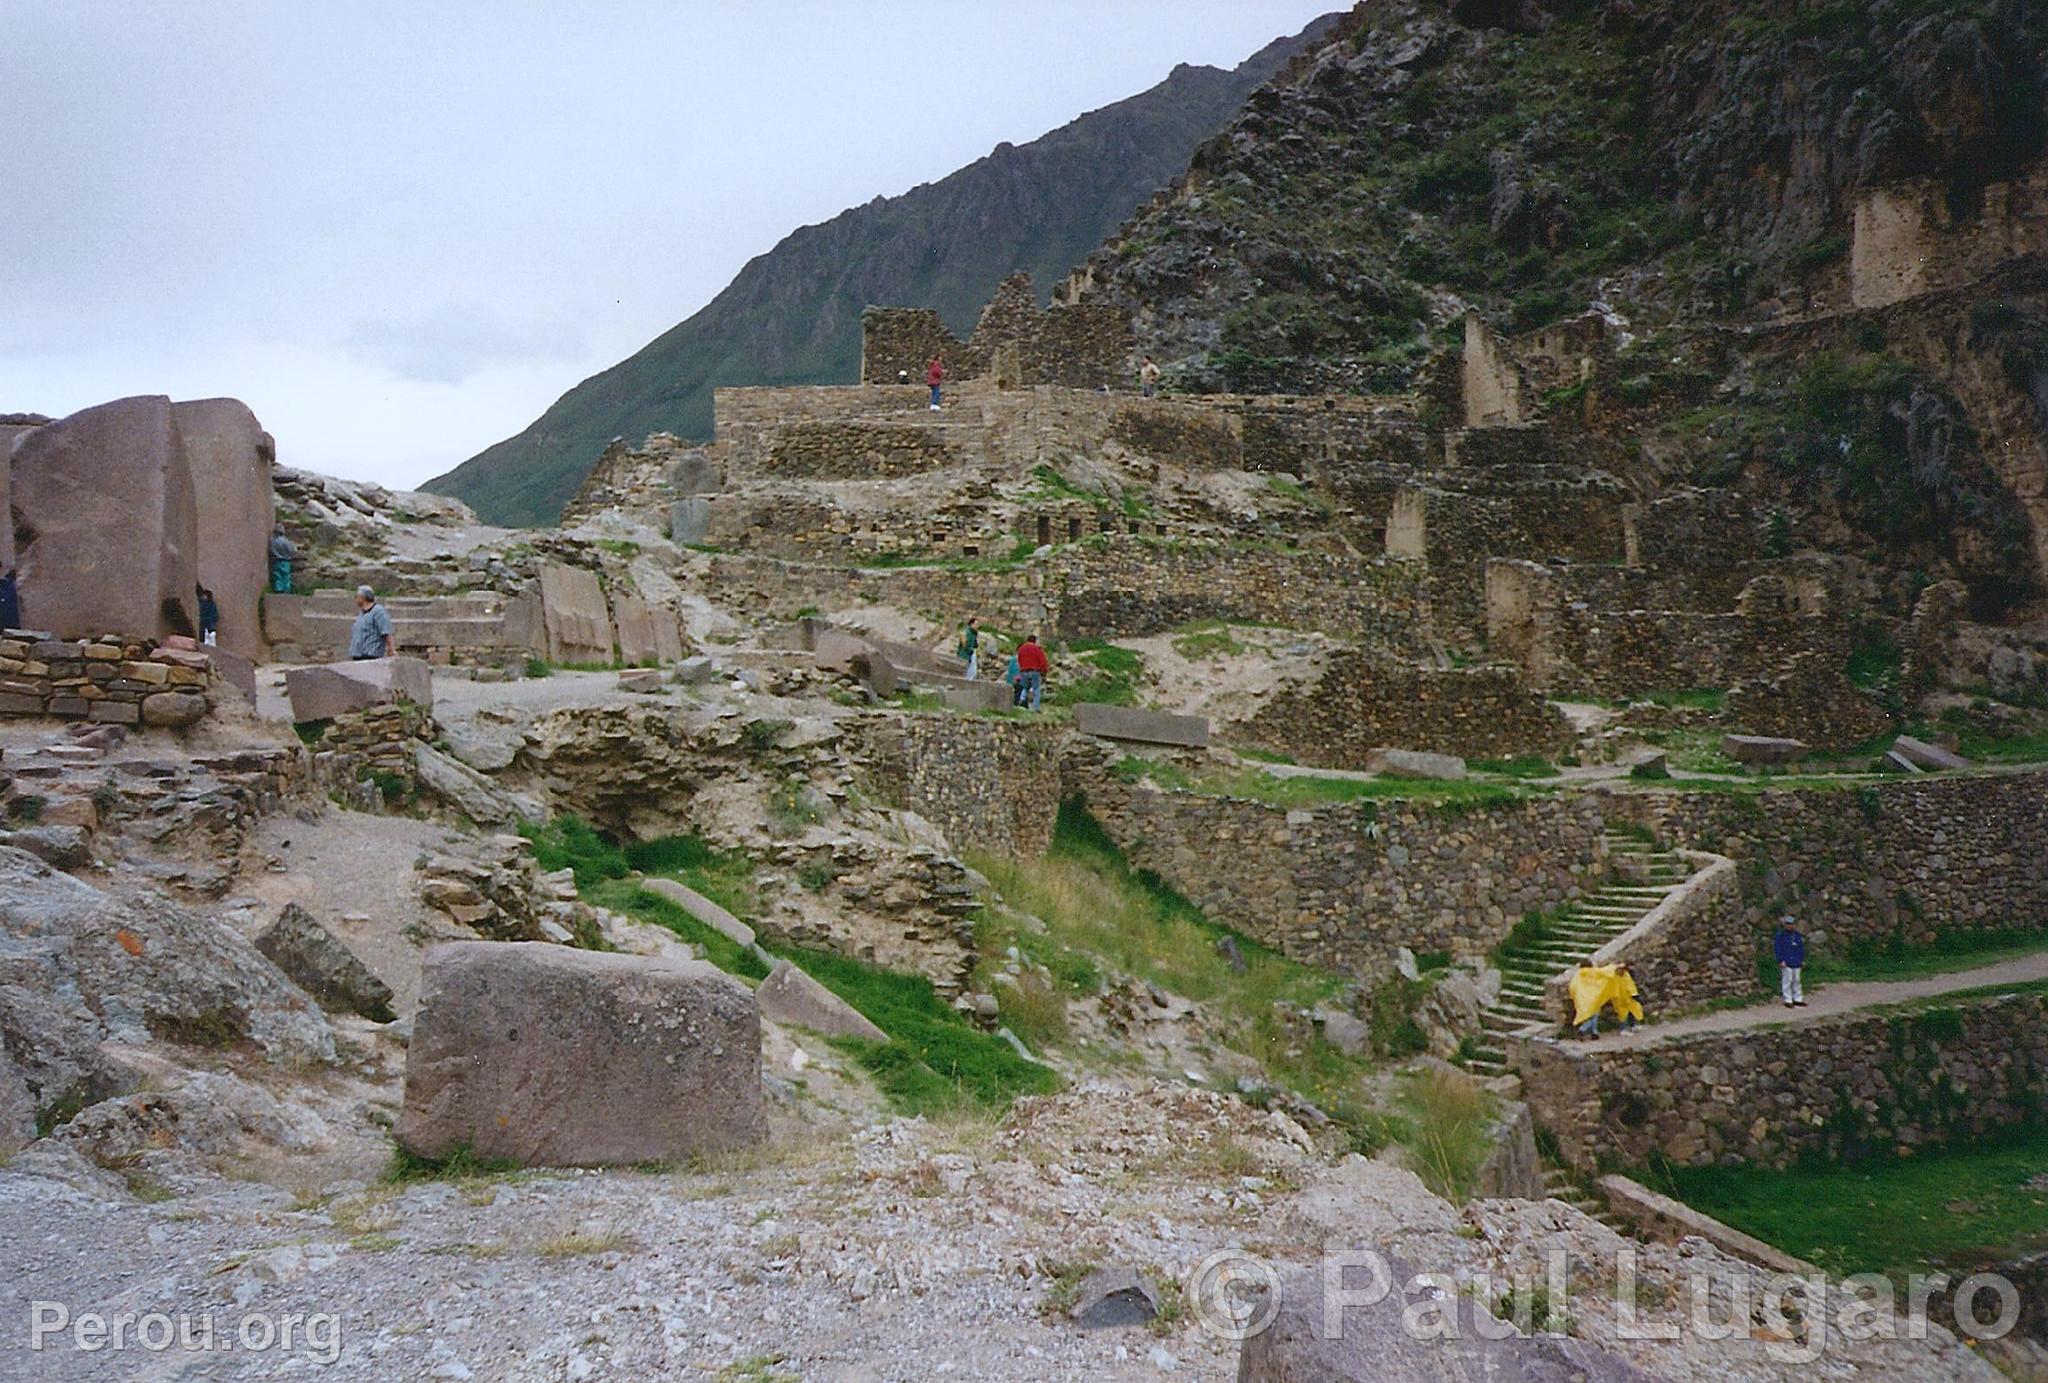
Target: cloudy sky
{"x":400,"y":230}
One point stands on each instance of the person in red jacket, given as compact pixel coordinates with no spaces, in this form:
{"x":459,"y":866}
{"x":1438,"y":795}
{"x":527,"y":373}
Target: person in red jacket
{"x":935,"y":375}
{"x":1032,"y":667}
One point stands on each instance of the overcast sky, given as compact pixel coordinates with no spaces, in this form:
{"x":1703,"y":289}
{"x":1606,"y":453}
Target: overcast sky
{"x":400,"y":230}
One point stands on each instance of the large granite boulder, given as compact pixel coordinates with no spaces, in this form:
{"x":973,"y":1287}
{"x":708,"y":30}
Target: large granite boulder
{"x":229,"y":456}
{"x":106,"y":523}
{"x":549,"y":1056}
{"x":332,"y":689}
{"x":573,"y":614}
{"x":1363,"y":1337}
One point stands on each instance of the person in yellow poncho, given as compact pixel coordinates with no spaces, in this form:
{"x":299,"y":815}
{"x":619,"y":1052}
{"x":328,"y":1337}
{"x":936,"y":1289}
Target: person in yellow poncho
{"x":1595,"y":987}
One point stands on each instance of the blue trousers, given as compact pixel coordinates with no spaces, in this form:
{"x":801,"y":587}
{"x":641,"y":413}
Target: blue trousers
{"x":281,"y":576}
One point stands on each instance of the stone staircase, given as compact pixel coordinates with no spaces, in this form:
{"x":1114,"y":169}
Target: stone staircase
{"x":1561,"y":1185}
{"x":1640,"y":878}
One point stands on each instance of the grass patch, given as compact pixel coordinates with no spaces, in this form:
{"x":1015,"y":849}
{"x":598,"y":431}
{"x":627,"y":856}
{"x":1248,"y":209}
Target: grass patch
{"x":570,"y":842}
{"x":1100,"y":672}
{"x":1961,"y":1207}
{"x":1691,"y":698}
{"x":935,"y":1062}
{"x":1527,"y":766}
{"x":462,"y":1164}
{"x":721,"y":950}
{"x":1951,"y":951}
{"x":1446,"y":1136}
{"x":1103,"y":917}
{"x":1202,"y":644}
{"x":311,"y":732}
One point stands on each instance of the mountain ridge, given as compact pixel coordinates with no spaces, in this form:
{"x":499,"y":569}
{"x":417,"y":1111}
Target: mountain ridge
{"x":792,"y":313}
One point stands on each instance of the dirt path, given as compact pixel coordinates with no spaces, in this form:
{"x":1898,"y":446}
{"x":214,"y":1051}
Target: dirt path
{"x":1837,"y":998}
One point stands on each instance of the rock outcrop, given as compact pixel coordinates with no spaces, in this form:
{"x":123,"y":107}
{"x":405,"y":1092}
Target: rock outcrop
{"x":321,"y":964}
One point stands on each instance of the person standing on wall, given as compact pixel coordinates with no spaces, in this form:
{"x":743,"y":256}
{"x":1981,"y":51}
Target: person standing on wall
{"x":1148,"y":377}
{"x":1789,"y":946}
{"x":371,"y":637}
{"x":282,"y":555}
{"x":935,"y":375}
{"x":970,"y":647}
{"x":1032,"y":666}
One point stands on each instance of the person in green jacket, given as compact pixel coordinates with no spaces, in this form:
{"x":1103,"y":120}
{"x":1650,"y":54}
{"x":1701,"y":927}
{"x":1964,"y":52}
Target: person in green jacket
{"x":970,"y":646}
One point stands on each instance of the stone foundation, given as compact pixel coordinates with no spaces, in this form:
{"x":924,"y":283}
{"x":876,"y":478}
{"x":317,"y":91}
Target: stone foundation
{"x":111,"y":679}
{"x":1360,"y":702}
{"x":988,"y":785}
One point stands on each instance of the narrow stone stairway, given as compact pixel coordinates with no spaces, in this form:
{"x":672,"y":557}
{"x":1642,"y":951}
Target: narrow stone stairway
{"x":1561,"y":1185}
{"x":1640,"y":876}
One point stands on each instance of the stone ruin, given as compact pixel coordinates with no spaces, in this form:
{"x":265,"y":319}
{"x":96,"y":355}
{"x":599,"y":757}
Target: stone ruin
{"x":1015,"y":344}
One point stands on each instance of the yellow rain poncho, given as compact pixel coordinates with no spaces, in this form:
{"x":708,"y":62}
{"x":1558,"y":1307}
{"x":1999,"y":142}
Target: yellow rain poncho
{"x":1596,"y":986}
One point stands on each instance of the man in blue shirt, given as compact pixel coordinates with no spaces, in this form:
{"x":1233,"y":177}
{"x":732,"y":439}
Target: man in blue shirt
{"x":371,"y":635}
{"x":1789,"y":945}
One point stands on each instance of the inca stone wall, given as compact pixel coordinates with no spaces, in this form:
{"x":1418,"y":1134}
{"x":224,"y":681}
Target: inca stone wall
{"x":1344,"y":886}
{"x":110,"y":679}
{"x":1360,"y":702}
{"x":1841,"y":1088}
{"x":1121,"y":586}
{"x":857,"y":450}
{"x":1082,"y":346}
{"x":1903,"y":861}
{"x":1566,"y":644}
{"x":988,"y":785}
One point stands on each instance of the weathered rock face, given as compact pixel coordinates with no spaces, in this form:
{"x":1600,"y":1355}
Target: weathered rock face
{"x":322,"y":964}
{"x":548,"y":1056}
{"x":1371,"y":1341}
{"x":469,"y":791}
{"x":229,"y":456}
{"x":80,"y":968}
{"x":579,"y":628}
{"x":647,"y":633}
{"x":336,"y":689}
{"x":106,"y":523}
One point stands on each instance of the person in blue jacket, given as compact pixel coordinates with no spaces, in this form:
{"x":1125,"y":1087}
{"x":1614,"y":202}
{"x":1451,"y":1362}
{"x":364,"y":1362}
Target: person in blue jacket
{"x":1789,"y":945}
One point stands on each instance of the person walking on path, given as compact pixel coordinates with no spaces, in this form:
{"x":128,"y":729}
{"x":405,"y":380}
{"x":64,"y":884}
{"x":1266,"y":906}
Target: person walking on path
{"x":1789,"y":946}
{"x":282,"y":555}
{"x":1015,"y":677}
{"x":935,"y":375}
{"x":1596,"y":987}
{"x":209,"y":618}
{"x":970,"y":647}
{"x":1148,"y":377}
{"x":371,"y":635}
{"x":1032,"y":666}
{"x":10,"y":599}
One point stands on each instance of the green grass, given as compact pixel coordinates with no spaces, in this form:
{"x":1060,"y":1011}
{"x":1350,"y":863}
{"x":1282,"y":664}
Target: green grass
{"x":1952,"y":951}
{"x":1103,"y":917}
{"x":624,"y":896}
{"x":1096,"y":671}
{"x":1960,"y":1207}
{"x":1974,"y":741}
{"x":1694,"y":698}
{"x":1527,"y":766}
{"x":1201,"y":644}
{"x":460,"y":1165}
{"x":1448,"y":1115}
{"x":935,"y":1061}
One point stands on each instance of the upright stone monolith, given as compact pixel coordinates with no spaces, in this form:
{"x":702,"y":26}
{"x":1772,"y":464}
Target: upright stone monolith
{"x":230,"y":457}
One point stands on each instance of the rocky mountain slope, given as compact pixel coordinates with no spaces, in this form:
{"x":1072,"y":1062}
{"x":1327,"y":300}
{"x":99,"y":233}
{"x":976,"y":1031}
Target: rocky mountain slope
{"x":1746,"y":191}
{"x":792,"y":316}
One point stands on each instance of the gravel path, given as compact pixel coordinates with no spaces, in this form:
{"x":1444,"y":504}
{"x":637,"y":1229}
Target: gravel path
{"x":1836,"y":999}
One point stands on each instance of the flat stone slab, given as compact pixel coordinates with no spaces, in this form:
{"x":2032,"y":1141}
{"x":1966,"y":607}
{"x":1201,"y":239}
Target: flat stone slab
{"x":1925,"y":755}
{"x":791,"y":997}
{"x":549,"y":1056}
{"x":701,"y":908}
{"x":573,"y":614}
{"x":1142,"y":727}
{"x":332,"y":689}
{"x":837,"y":652}
{"x":1414,"y":763}
{"x":1763,"y":749}
{"x":963,"y":695}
